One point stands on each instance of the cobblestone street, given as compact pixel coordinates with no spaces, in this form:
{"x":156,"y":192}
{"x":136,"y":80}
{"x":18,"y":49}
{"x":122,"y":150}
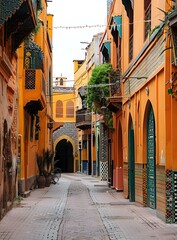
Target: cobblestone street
{"x":82,"y":207}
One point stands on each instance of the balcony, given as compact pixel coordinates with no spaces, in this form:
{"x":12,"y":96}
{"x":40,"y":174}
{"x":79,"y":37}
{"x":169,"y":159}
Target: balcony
{"x":19,"y":18}
{"x":115,"y":100}
{"x":34,"y":92}
{"x":33,"y":55}
{"x":83,"y":119}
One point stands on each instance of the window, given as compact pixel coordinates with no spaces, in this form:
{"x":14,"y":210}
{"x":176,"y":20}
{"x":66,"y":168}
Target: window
{"x":70,"y":109}
{"x":130,"y":33}
{"x":116,"y":31}
{"x":147,"y":17}
{"x":84,"y":144}
{"x":30,"y":76}
{"x":59,"y":109}
{"x":61,"y":81}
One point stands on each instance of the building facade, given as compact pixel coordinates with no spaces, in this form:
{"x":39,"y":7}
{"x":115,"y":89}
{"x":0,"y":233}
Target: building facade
{"x":89,"y":159}
{"x":144,"y":105}
{"x":64,"y":131}
{"x":35,"y":100}
{"x":24,"y":15}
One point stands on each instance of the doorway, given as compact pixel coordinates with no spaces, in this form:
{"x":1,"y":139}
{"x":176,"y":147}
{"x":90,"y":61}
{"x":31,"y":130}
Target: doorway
{"x":151,"y":160}
{"x":64,"y":158}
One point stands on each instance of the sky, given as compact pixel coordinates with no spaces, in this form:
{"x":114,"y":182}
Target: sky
{"x":70,"y":22}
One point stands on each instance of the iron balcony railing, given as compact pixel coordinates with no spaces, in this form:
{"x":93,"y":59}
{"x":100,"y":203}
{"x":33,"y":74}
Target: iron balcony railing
{"x":115,"y":87}
{"x":83,"y":119}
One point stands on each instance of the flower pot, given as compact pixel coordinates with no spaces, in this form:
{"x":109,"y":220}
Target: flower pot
{"x":41,"y":181}
{"x":48,"y":181}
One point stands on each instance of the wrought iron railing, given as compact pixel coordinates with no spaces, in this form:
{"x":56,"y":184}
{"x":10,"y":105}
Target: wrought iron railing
{"x":115,"y":87}
{"x":83,"y":119}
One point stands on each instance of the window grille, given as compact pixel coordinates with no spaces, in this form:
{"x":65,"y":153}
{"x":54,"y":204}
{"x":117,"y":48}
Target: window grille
{"x":30,"y":76}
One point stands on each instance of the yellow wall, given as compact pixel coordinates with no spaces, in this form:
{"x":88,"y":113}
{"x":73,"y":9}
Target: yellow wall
{"x":64,"y":98}
{"x":31,"y":147}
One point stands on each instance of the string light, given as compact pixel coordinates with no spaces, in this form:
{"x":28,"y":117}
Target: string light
{"x":99,"y":25}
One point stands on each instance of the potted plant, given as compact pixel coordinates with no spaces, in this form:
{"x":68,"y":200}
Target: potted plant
{"x":41,"y":178}
{"x":48,"y":157}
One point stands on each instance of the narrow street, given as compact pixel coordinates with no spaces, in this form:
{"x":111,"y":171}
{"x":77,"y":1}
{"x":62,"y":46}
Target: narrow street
{"x":81,"y":207}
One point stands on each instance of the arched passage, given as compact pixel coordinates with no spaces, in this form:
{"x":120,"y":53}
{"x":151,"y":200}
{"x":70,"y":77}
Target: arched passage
{"x":64,"y":158}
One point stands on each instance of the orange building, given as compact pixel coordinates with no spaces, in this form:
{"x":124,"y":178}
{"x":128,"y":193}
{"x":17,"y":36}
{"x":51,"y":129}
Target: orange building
{"x":144,"y":106}
{"x":35,"y":99}
{"x":23,"y":15}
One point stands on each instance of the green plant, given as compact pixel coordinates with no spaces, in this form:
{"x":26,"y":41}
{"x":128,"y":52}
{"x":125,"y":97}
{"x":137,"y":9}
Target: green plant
{"x":98,"y":88}
{"x":39,"y":23}
{"x":165,"y":26}
{"x":39,"y":5}
{"x":48,"y":157}
{"x":98,"y":85}
{"x":40,"y":164}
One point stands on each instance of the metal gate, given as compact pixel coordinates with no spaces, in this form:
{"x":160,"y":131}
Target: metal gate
{"x":151,"y":160}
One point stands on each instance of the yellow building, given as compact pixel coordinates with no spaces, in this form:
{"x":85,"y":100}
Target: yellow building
{"x":85,"y":118}
{"x":64,"y":131}
{"x":35,"y":99}
{"x":23,"y":14}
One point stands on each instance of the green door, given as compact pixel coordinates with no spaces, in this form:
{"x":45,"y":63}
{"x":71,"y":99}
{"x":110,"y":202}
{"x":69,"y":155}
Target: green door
{"x":131,"y":164}
{"x":151,"y":160}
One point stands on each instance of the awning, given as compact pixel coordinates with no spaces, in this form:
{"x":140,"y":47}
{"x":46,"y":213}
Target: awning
{"x":116,"y":22}
{"x":128,"y":4}
{"x":33,"y":107}
{"x":106,"y":48}
{"x":8,"y":8}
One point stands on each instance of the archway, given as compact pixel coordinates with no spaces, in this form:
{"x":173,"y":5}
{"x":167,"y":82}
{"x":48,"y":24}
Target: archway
{"x":64,"y":158}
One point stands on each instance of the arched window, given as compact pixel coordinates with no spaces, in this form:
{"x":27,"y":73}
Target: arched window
{"x":70,"y":109}
{"x":59,"y":109}
{"x":61,"y":81}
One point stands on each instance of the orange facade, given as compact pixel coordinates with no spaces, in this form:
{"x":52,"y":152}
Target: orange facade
{"x":35,"y":100}
{"x":23,"y":14}
{"x":143,"y":143}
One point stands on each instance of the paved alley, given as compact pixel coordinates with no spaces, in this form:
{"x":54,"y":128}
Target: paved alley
{"x":82,"y":207}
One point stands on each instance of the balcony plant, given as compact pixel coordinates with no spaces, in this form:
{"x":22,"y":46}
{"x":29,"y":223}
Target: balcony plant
{"x":98,"y":89}
{"x":169,"y":27}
